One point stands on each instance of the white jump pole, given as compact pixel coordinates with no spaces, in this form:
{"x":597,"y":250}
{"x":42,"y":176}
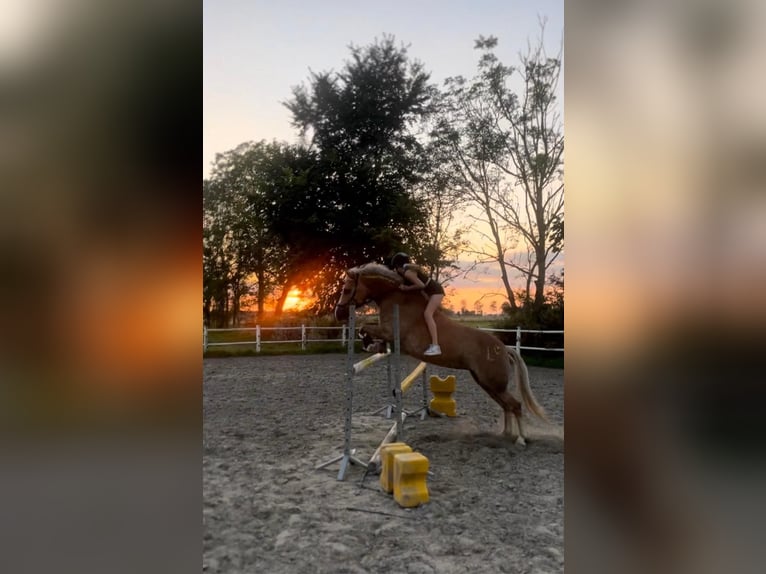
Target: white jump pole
{"x":395,"y":431}
{"x":364,"y":363}
{"x":397,"y":371}
{"x":410,"y":379}
{"x":348,"y":455}
{"x":374,"y":462}
{"x":399,"y":388}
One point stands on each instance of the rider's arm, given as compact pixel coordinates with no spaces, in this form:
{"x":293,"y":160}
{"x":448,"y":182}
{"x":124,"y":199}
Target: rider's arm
{"x":417,"y":284}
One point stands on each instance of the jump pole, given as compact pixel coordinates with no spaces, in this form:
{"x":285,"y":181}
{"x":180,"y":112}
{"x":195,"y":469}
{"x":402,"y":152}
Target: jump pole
{"x":389,"y":377}
{"x":374,"y":462}
{"x":410,"y":379}
{"x":348,"y":455}
{"x":398,"y":390}
{"x":397,"y":376}
{"x":396,"y":430}
{"x":364,"y":363}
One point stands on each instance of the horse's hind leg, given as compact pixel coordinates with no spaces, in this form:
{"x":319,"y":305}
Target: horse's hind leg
{"x":521,"y":439}
{"x":511,"y":410}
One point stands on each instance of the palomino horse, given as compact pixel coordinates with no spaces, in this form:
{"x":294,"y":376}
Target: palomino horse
{"x":482,"y":354}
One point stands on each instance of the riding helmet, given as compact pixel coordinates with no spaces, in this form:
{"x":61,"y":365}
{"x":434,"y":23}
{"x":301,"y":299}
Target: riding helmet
{"x":399,"y":259}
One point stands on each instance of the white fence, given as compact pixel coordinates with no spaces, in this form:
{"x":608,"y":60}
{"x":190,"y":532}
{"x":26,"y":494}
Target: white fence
{"x":519,"y":331}
{"x":304,"y":340}
{"x":306,"y":329}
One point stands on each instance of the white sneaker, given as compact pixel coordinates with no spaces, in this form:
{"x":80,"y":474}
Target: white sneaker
{"x":433,"y":350}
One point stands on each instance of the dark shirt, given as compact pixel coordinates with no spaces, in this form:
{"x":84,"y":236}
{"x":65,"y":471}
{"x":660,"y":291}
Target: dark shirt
{"x":432,"y":287}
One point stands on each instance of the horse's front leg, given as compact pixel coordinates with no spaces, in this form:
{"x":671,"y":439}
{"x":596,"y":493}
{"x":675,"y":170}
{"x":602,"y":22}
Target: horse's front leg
{"x":374,"y":338}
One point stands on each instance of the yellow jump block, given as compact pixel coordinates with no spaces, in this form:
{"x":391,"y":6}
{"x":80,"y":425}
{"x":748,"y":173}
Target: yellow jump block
{"x":410,"y":473}
{"x":442,"y":390}
{"x":387,"y":453}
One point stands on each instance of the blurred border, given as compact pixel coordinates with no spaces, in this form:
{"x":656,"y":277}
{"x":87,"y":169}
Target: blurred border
{"x":100,"y":247}
{"x":666,"y":258}
{"x":100,"y":113}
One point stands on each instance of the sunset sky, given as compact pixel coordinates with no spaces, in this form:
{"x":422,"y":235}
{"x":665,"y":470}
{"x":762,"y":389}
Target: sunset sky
{"x":255,"y":52}
{"x":483,"y":284}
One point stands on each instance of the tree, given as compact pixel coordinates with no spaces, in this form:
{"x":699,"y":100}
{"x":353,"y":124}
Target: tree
{"x":239,"y":239}
{"x":359,"y":124}
{"x":443,"y":238}
{"x":225,"y":256}
{"x":359,"y":188}
{"x":465,"y":133}
{"x":216,"y":265}
{"x":508,"y":153}
{"x":294,"y":209}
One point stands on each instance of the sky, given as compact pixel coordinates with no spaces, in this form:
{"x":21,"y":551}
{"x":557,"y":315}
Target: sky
{"x":256,"y":51}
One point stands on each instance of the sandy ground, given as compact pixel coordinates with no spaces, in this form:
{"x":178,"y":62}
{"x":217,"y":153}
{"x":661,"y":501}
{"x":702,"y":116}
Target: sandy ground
{"x":268,"y":423}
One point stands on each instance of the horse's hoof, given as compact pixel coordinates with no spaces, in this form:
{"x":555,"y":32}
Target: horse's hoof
{"x":520,"y":441}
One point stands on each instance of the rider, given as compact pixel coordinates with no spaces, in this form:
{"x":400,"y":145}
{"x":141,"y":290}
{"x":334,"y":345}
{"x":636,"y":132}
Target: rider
{"x":417,"y":279}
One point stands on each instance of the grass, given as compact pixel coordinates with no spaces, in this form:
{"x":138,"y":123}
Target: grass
{"x":554,"y":361}
{"x":276,"y":349}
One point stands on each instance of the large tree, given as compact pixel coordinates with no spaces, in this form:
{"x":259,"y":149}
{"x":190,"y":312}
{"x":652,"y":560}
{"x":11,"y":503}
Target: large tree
{"x":242,"y":252}
{"x":443,"y":234}
{"x":507,"y":147}
{"x":360,"y":123}
{"x":225,"y":257}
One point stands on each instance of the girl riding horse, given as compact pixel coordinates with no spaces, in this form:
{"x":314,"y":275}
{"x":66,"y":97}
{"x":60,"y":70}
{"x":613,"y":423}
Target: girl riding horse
{"x":417,"y":279}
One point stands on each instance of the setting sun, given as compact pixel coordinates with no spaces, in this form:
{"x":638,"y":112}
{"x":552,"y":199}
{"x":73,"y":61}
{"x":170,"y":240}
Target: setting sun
{"x":295,"y":301}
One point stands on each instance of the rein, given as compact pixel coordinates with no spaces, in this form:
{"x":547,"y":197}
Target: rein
{"x":353,"y":294}
{"x":357,"y":277}
{"x":353,"y":291}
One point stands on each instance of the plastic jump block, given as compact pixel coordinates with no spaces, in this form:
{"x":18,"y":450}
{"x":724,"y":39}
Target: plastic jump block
{"x":387,"y":453}
{"x":410,"y":473}
{"x":442,"y":390}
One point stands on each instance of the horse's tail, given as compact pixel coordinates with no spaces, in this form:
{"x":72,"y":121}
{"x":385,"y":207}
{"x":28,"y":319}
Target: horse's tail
{"x":522,"y":381}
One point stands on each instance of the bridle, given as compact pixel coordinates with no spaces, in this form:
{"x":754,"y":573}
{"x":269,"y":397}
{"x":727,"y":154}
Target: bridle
{"x":353,"y":295}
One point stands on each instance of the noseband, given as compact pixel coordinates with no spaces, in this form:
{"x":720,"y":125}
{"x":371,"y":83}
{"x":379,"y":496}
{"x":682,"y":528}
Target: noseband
{"x":353,"y":295}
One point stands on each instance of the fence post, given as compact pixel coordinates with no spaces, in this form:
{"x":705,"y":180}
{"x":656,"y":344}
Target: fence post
{"x":204,"y":338}
{"x":518,"y":339}
{"x":257,"y":338}
{"x":343,"y":336}
{"x":303,"y":337}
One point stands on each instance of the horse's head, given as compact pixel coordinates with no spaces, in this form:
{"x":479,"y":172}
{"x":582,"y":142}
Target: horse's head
{"x":350,"y":294}
{"x":364,"y":284}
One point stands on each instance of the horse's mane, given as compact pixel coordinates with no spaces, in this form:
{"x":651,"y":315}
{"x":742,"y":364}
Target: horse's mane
{"x":376,"y":270}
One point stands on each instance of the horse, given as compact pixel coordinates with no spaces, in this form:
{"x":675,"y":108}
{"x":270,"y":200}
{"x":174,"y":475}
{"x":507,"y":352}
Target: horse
{"x":482,"y":354}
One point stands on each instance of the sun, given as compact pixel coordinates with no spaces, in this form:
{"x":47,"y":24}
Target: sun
{"x":295,"y":301}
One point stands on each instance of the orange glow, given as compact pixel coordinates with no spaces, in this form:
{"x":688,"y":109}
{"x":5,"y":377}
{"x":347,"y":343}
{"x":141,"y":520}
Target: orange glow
{"x":472,"y":295}
{"x":141,"y":346}
{"x":296,"y":301}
